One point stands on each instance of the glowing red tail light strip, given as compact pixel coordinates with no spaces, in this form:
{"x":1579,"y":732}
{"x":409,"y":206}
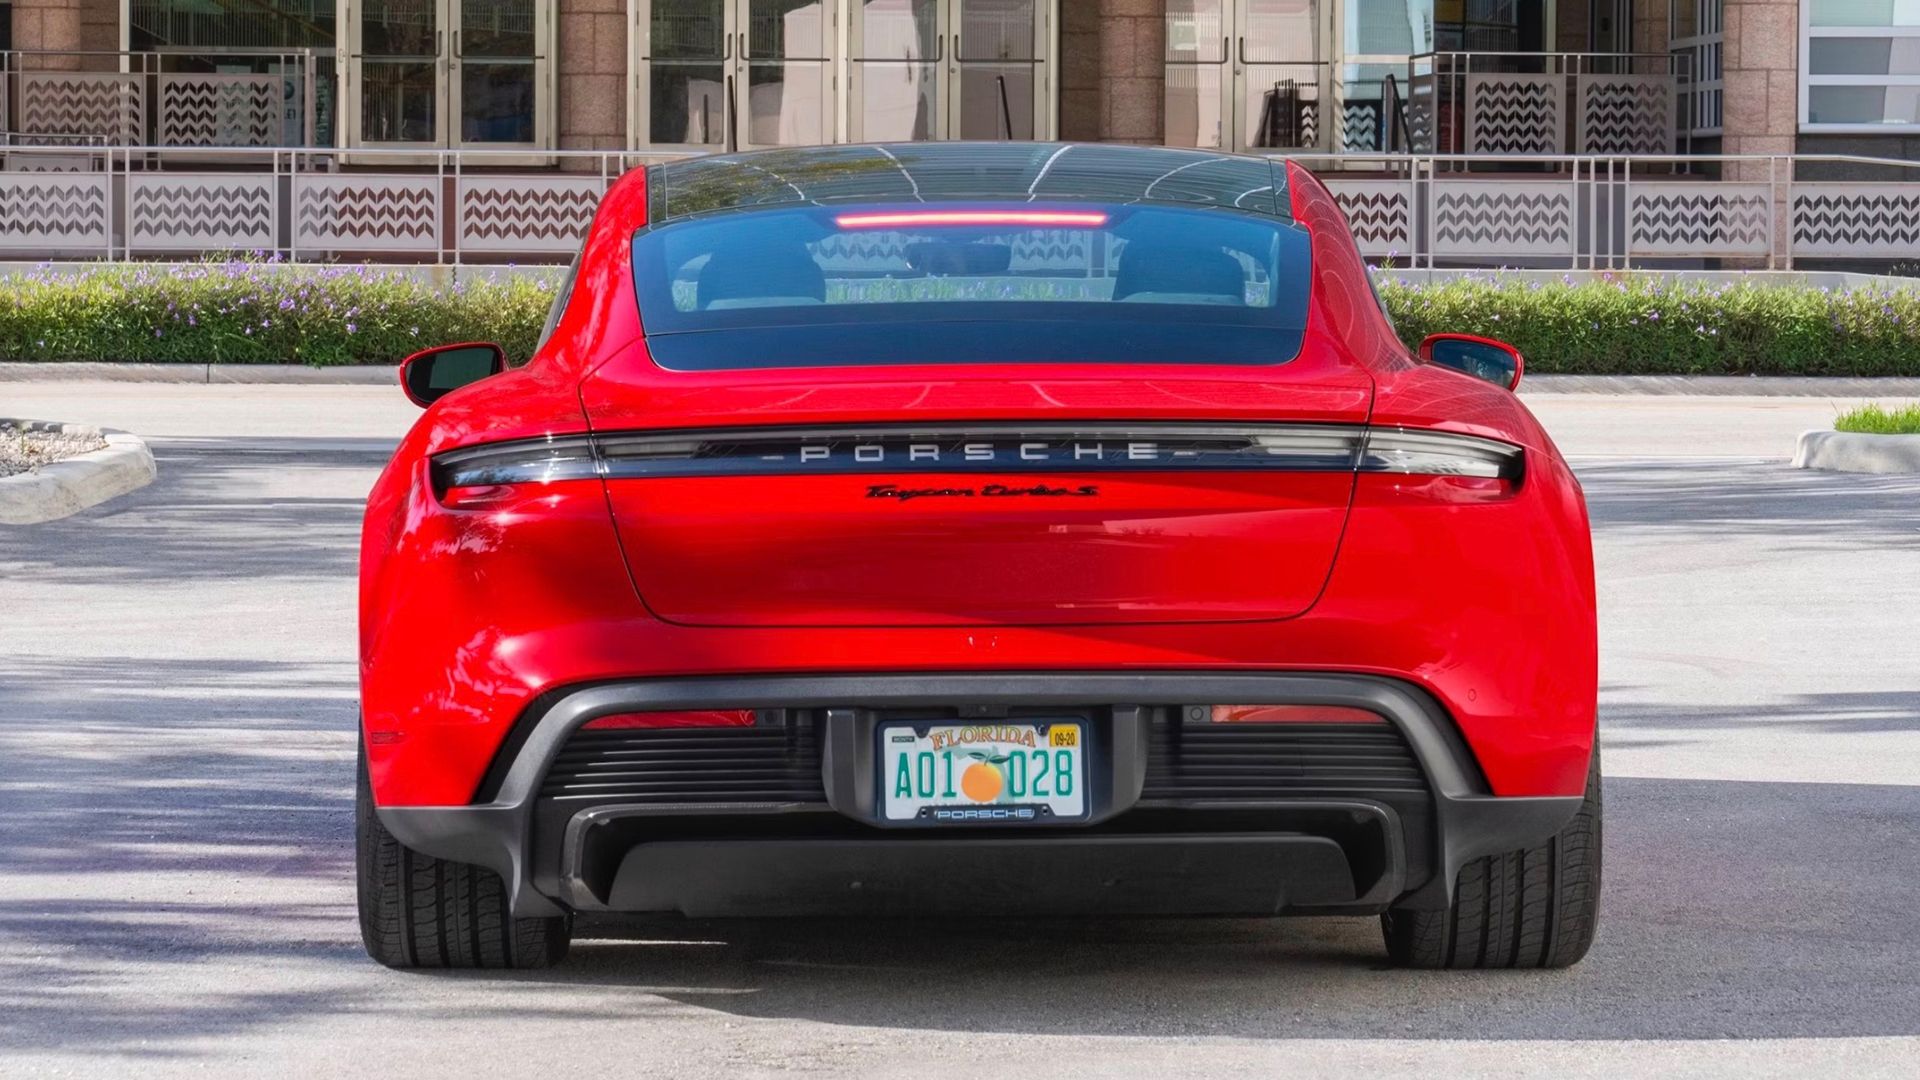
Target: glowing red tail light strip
{"x":1058,"y":219}
{"x":1294,"y":714}
{"x":697,"y":718}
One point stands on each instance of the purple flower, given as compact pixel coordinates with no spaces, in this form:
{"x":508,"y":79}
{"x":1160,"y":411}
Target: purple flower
{"x":352,"y":328}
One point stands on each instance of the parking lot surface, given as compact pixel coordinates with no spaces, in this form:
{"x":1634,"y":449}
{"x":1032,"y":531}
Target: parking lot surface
{"x":177,"y":697}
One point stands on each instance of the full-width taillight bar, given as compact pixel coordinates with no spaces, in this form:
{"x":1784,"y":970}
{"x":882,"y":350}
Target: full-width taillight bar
{"x":981,"y":448}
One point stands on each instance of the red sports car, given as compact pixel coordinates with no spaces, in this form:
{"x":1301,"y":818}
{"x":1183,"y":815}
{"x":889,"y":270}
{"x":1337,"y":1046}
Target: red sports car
{"x":1007,"y":528}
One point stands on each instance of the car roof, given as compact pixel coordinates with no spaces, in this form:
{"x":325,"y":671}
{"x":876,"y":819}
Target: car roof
{"x":935,"y":171}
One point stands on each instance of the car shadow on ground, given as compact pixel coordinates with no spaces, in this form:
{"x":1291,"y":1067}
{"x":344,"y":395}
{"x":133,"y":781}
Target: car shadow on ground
{"x":1731,"y":910}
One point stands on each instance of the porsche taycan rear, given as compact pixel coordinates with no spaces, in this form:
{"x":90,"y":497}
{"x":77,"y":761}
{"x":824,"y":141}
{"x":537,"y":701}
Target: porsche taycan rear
{"x":948,"y":529}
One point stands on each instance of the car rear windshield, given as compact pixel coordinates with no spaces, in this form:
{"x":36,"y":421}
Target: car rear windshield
{"x":937,"y":283}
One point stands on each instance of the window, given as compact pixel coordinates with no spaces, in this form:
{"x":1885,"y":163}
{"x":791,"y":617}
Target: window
{"x":971,"y":282}
{"x":1860,"y":65}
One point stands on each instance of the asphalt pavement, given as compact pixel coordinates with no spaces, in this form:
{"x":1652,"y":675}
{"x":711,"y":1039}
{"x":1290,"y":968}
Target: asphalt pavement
{"x":176,"y":745}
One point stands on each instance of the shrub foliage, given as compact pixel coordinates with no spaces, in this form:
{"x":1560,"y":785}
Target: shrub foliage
{"x":254,"y":312}
{"x":1642,"y":325}
{"x":251,"y":312}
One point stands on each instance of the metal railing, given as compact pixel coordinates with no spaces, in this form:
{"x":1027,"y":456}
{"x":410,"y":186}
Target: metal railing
{"x":1550,"y":103}
{"x":162,"y":98}
{"x":1416,"y":210}
{"x":1620,"y":211}
{"x":301,"y":205}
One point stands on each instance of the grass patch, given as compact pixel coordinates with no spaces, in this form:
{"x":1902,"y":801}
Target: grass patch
{"x":1874,"y":420}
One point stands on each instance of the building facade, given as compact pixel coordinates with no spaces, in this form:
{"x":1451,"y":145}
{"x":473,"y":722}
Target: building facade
{"x":1588,"y":132}
{"x":1739,"y":76}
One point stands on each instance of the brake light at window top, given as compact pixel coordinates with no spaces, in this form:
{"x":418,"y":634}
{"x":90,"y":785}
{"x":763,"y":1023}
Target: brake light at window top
{"x":1052,"y":219}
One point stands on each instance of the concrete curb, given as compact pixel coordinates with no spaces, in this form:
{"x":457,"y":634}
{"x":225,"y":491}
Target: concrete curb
{"x":70,"y":486}
{"x":1847,"y":451}
{"x":1722,"y":385}
{"x":277,"y":374}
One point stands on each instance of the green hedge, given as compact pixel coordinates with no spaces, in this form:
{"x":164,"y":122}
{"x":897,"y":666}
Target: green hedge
{"x":1635,"y":325}
{"x":259,"y":313}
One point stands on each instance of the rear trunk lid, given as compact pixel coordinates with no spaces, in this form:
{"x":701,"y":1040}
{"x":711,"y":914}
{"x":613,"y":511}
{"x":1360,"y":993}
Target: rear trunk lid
{"x":777,"y":501}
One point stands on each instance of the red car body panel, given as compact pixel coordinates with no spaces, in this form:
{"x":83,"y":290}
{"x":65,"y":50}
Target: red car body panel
{"x":1478,"y":592}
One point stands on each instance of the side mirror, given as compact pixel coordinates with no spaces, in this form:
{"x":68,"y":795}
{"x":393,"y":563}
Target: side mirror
{"x":1483,"y":358}
{"x":431,"y":374}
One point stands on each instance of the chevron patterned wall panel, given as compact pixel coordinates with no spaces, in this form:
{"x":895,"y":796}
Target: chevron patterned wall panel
{"x":212,"y":212}
{"x":1860,"y":220}
{"x":1501,"y":218}
{"x":1420,"y":108}
{"x":21,"y":161}
{"x":526,"y":213}
{"x":54,"y":211}
{"x":1627,"y":114}
{"x":1699,"y":219}
{"x":356,"y":212}
{"x":1359,"y":126}
{"x":1380,"y":212}
{"x":84,"y":103}
{"x":220,"y":110}
{"x":1516,"y":114}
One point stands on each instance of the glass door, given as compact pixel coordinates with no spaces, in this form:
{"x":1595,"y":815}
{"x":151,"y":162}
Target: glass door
{"x":497,"y":72}
{"x":430,"y":74}
{"x":1000,"y":86}
{"x":786,"y":90}
{"x":681,"y":74}
{"x":1281,"y":80}
{"x":732,"y":74}
{"x":1199,"y":81}
{"x":950,"y":69}
{"x":396,"y":75}
{"x":1245,"y":75}
{"x":895,"y":70}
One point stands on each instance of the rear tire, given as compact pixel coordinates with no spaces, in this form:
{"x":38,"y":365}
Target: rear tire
{"x":417,"y":911}
{"x":1534,"y":908}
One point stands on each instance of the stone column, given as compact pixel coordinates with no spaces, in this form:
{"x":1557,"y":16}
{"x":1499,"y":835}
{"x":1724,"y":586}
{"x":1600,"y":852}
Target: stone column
{"x":590,"y":75}
{"x":100,"y":26}
{"x":1133,"y":74}
{"x":1760,"y":111}
{"x":1082,"y":102}
{"x":47,"y":24}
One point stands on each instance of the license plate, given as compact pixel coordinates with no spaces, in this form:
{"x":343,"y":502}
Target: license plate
{"x":1021,"y":772}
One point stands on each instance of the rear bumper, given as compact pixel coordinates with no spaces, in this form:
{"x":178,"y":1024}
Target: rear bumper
{"x":1350,"y":851}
